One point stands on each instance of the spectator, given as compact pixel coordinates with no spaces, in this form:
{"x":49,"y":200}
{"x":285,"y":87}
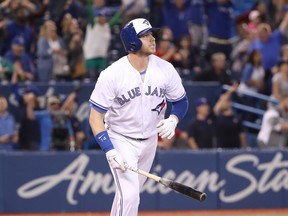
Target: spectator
{"x":188,"y":56}
{"x":75,"y":51}
{"x":69,"y":108}
{"x":21,"y":60}
{"x":201,"y":129}
{"x":19,"y":26}
{"x":65,"y":28}
{"x":56,"y":129}
{"x":34,"y":10}
{"x":217,"y":73}
{"x":229,"y":128}
{"x":274,"y":128}
{"x":36,"y":17}
{"x":269,"y":44}
{"x":58,"y":9}
{"x":239,"y":55}
{"x":8,"y":130}
{"x":6,"y":69}
{"x":254,"y":20}
{"x":220,"y":23}
{"x":253,"y":75}
{"x":156,"y":13}
{"x":197,"y":24}
{"x":276,"y":12}
{"x":283,"y":57}
{"x":134,"y":9}
{"x":176,"y":15}
{"x":280,"y":80}
{"x":62,"y":131}
{"x":264,"y":13}
{"x":7,"y":7}
{"x":52,"y":60}
{"x":284,"y":52}
{"x":29,"y":130}
{"x":166,"y":49}
{"x":252,"y":81}
{"x":98,"y":29}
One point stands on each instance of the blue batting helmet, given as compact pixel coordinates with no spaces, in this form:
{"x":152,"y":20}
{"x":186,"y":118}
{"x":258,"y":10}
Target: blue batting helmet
{"x":132,"y":31}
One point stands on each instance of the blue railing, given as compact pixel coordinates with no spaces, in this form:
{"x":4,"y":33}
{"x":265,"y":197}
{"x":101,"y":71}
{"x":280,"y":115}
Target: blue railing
{"x":250,"y":109}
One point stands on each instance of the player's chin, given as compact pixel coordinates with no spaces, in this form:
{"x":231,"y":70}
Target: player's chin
{"x":152,"y":50}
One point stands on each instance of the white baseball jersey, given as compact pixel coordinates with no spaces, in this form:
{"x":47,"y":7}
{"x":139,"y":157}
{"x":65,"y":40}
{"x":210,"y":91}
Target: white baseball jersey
{"x":135,"y":107}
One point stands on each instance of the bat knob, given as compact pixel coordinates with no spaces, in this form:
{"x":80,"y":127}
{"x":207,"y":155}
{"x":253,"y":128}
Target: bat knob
{"x":202,"y":197}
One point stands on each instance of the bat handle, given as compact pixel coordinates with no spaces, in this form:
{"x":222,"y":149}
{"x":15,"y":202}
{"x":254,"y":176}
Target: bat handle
{"x":127,"y":166}
{"x":142,"y":172}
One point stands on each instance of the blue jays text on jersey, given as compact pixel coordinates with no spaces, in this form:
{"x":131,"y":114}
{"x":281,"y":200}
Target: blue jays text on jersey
{"x":135,"y":92}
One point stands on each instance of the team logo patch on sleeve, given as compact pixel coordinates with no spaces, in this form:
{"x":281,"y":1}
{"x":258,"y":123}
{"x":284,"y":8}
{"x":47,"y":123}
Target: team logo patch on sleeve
{"x":159,"y":107}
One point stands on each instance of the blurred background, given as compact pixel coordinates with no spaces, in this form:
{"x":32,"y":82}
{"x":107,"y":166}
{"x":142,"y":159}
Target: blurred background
{"x":232,"y":56}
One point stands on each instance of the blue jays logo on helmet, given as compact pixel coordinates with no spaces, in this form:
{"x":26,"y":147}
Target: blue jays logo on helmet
{"x":132,"y":31}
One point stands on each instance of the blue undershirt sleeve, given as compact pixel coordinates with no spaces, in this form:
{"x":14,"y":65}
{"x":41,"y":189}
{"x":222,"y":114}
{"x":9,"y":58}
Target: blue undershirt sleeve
{"x":179,"y":108}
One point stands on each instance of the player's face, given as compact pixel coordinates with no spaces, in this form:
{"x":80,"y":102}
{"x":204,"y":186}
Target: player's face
{"x":148,"y":43}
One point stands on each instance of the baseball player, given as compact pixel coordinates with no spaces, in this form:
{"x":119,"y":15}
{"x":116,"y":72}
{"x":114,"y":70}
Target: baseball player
{"x":130,"y":97}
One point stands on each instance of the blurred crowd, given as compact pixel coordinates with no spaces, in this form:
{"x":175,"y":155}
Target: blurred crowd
{"x":239,"y":43}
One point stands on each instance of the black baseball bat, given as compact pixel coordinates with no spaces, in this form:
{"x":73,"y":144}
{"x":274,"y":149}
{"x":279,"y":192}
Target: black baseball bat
{"x":181,"y":188}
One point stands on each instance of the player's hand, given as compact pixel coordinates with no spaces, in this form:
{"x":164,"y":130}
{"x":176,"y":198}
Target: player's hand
{"x":116,"y":160}
{"x":166,"y":127}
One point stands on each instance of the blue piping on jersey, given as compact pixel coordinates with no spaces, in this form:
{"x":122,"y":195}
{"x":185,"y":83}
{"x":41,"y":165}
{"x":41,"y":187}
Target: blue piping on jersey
{"x":98,"y":107}
{"x":175,"y":100}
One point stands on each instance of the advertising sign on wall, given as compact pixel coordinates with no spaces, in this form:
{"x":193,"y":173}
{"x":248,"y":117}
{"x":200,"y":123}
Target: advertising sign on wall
{"x":65,"y":181}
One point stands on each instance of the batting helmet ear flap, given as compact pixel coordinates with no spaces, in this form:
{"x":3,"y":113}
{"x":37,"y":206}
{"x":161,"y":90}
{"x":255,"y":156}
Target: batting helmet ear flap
{"x":129,"y":38}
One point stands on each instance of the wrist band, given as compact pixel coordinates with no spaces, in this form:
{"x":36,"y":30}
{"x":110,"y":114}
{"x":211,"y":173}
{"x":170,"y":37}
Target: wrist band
{"x":104,"y":141}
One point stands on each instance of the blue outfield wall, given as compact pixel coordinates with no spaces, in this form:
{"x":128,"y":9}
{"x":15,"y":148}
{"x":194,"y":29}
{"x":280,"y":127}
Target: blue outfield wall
{"x":81,"y":181}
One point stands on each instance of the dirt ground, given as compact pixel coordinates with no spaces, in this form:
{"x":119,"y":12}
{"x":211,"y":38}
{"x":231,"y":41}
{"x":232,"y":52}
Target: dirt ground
{"x":248,"y":212}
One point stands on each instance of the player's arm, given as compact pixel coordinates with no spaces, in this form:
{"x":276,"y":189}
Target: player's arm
{"x":167,"y":126}
{"x":96,"y":121}
{"x":174,"y":93}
